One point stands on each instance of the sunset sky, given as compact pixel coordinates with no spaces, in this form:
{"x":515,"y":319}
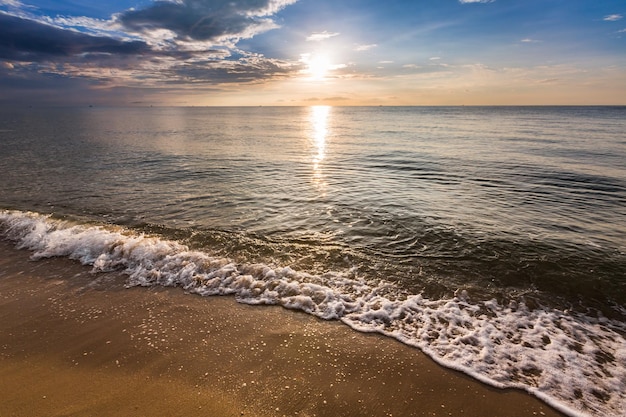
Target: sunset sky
{"x":307,"y":52}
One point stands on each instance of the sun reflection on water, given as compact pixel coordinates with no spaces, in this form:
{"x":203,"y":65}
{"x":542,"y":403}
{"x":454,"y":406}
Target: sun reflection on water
{"x":319,"y":131}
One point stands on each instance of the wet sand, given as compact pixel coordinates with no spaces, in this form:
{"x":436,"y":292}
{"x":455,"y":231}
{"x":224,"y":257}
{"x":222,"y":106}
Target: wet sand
{"x":77,"y":344}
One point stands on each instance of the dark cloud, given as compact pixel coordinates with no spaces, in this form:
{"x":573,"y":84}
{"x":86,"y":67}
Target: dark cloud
{"x":62,"y":51}
{"x":176,"y":44}
{"x":27,"y":40}
{"x":205,"y":20}
{"x":244,"y":70}
{"x":28,"y":85}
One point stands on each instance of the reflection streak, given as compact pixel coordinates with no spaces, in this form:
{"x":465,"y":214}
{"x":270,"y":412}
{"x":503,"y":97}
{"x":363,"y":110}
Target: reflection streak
{"x":319,"y":130}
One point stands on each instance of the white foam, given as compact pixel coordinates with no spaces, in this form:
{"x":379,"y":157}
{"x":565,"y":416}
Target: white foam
{"x":574,"y":362}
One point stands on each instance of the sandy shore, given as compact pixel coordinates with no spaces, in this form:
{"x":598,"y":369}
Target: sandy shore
{"x":77,"y":344}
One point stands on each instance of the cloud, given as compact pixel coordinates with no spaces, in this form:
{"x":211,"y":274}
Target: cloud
{"x":326,"y":99}
{"x":435,"y":58}
{"x":216,"y":21}
{"x":361,"y":48}
{"x":183,"y":42}
{"x":27,"y":40}
{"x":320,"y":36}
{"x":529,"y":40}
{"x":613,"y":17}
{"x":97,"y":27}
{"x":249,"y":69}
{"x":475,"y":1}
{"x":11,"y":3}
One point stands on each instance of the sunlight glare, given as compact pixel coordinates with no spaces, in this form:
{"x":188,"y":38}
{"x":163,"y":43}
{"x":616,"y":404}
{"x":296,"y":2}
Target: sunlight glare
{"x":319,"y":117}
{"x":319,"y":130}
{"x":318,"y":65}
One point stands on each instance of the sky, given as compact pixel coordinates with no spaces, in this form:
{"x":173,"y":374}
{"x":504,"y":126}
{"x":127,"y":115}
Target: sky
{"x":312,"y":52}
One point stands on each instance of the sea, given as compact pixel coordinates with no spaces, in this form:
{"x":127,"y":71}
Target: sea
{"x":493,"y":239}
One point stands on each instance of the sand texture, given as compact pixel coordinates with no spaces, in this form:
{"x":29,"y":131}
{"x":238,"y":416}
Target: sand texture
{"x":73,"y":343}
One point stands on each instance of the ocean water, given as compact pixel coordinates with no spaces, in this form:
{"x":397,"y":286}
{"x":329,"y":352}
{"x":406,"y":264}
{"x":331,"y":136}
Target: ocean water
{"x":491,"y":238}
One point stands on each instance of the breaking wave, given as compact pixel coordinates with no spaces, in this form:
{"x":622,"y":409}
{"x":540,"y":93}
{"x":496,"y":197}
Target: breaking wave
{"x":575,"y":362}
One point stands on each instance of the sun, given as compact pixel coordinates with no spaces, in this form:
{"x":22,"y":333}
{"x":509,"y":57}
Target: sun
{"x":318,"y":65}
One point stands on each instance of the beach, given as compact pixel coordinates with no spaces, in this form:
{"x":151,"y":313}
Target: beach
{"x":314,"y":246}
{"x":298,"y":208}
{"x":74,"y":343}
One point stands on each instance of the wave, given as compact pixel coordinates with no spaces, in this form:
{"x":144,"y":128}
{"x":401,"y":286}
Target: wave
{"x":575,"y":362}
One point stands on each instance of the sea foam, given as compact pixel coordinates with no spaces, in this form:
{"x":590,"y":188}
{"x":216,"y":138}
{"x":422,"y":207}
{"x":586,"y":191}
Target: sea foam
{"x":575,"y":362}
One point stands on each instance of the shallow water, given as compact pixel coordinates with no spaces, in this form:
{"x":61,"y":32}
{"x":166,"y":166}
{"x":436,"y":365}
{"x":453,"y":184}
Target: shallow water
{"x":491,"y":238}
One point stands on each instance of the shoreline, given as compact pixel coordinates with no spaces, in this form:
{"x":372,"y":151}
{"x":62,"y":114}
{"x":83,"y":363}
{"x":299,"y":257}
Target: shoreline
{"x":75,"y":343}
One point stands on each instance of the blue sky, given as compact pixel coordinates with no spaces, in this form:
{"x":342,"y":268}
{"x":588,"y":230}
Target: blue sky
{"x":304,"y":52}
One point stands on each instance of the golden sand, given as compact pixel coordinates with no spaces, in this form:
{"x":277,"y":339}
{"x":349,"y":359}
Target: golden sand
{"x":77,"y":344}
